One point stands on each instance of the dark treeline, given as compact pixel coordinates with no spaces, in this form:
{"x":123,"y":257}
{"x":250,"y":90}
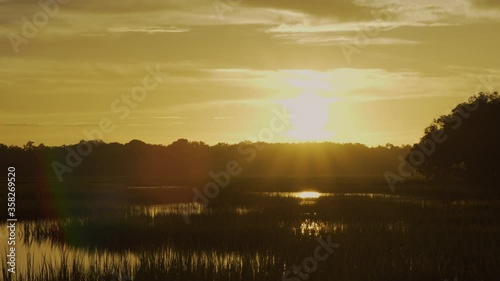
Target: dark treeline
{"x":462,"y":144}
{"x":183,"y":159}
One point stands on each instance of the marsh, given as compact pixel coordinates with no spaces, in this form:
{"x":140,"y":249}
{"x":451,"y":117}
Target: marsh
{"x":258,"y":229}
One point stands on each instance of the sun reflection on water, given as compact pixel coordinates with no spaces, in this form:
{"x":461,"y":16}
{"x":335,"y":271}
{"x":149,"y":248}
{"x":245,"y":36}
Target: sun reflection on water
{"x":315,"y":228}
{"x":308,"y":195}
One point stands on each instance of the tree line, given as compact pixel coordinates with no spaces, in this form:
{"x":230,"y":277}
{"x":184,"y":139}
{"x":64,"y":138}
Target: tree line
{"x":185,"y":159}
{"x":462,"y":144}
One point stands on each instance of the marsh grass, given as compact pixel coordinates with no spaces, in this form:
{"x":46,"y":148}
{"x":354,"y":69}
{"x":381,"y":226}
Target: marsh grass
{"x":405,"y":237}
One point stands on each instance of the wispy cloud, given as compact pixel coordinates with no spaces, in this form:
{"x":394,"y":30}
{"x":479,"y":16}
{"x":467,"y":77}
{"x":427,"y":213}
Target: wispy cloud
{"x":347,"y":26}
{"x":329,"y":40}
{"x":150,"y":30}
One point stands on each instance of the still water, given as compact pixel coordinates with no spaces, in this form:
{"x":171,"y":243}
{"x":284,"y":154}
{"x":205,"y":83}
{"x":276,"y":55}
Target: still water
{"x":34,"y":254}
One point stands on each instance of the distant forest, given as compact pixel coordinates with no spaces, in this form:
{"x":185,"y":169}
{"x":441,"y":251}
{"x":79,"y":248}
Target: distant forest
{"x":185,"y":159}
{"x":462,"y":144}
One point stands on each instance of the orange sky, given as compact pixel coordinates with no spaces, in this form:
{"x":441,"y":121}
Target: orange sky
{"x":363,"y":71}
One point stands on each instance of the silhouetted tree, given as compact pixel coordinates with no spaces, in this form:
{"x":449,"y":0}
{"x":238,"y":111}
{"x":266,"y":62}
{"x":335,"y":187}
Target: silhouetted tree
{"x":146,"y":163}
{"x":30,"y":145}
{"x":462,"y":144}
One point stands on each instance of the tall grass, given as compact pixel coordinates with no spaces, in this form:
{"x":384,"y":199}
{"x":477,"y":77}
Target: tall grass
{"x":382,"y":238}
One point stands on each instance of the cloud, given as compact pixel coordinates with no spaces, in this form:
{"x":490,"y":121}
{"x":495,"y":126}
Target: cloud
{"x":336,"y":34}
{"x":350,"y":26}
{"x":148,"y":30}
{"x":338,"y":40}
{"x":486,"y":3}
{"x":92,"y":14}
{"x":339,"y":9}
{"x":110,"y":6}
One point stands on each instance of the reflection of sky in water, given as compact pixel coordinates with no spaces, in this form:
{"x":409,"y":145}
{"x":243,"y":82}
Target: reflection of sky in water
{"x":35,"y":253}
{"x":183,"y":209}
{"x":314,"y":194}
{"x":170,"y":209}
{"x":316,"y":228}
{"x":52,"y":254}
{"x":308,"y":195}
{"x":157,"y":187}
{"x":242,"y":210}
{"x":310,"y":198}
{"x":311,"y":227}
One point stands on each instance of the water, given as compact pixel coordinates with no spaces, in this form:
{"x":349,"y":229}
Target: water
{"x":257,"y":236}
{"x":35,"y":252}
{"x":34,"y":255}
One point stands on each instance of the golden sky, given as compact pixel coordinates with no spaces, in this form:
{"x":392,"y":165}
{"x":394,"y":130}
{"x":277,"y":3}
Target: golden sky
{"x":373,"y":72}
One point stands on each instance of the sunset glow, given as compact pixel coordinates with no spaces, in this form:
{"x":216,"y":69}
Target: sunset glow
{"x":221,"y":73}
{"x":311,"y":114}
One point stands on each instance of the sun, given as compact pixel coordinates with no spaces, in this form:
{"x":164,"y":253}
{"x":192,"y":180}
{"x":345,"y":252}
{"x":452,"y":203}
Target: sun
{"x":310,"y":117}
